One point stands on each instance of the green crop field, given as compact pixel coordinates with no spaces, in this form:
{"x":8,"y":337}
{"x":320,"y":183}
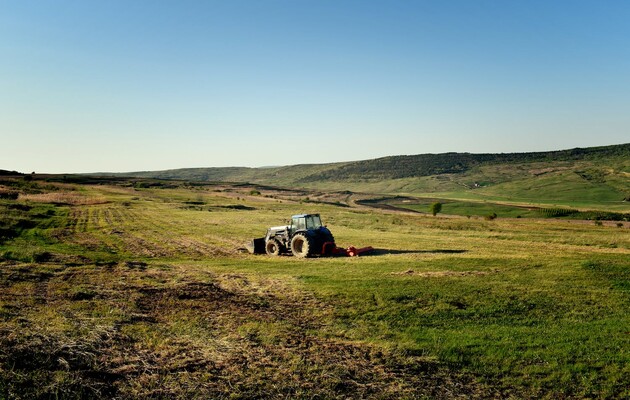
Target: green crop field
{"x":140,"y":289}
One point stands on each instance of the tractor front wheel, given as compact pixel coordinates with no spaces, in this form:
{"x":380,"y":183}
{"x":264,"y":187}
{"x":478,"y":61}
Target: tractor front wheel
{"x":301,"y":246}
{"x":273,"y":247}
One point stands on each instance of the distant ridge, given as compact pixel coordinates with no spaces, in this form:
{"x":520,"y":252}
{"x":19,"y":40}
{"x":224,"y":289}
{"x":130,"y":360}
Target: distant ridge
{"x":593,"y":176}
{"x":396,"y":167}
{"x":392,"y":167}
{"x":4,"y":172}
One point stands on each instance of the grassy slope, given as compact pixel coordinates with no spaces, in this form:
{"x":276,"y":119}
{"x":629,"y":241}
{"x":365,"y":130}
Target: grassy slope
{"x":597,"y":178}
{"x":536,"y":183}
{"x":138,"y":293}
{"x":271,"y":175}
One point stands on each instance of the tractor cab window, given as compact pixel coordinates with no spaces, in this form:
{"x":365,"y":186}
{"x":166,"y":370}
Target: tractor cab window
{"x":313,"y":222}
{"x":297,"y":224}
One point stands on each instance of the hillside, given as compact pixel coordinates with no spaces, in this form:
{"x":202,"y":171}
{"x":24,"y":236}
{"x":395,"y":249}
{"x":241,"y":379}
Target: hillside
{"x":393,"y":167}
{"x":270,"y":175}
{"x":452,"y":163}
{"x":576,"y":177}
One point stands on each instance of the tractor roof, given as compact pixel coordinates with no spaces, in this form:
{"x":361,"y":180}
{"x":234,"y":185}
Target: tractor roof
{"x":302,"y":215}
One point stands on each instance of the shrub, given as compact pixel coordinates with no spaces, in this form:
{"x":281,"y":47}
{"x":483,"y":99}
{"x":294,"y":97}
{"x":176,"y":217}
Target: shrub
{"x":42,"y":256}
{"x":435,"y":208}
{"x":556,"y":212}
{"x":9,"y":195}
{"x":490,"y":217}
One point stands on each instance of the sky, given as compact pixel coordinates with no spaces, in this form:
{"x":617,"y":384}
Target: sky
{"x":116,"y":86}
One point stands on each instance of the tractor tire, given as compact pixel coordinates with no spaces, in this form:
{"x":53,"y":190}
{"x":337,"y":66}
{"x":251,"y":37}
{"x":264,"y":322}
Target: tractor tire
{"x":301,"y":246}
{"x":273,"y":247}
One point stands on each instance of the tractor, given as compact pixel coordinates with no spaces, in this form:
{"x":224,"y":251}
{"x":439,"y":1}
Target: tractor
{"x":305,"y":236}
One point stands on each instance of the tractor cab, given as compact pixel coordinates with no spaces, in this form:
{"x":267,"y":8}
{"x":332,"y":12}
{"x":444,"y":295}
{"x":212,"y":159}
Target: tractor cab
{"x":304,"y":222}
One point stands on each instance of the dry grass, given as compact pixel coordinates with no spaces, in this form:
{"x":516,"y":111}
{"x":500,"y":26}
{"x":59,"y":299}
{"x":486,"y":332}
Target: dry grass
{"x":144,"y":297}
{"x":68,"y":198}
{"x":133,"y":330}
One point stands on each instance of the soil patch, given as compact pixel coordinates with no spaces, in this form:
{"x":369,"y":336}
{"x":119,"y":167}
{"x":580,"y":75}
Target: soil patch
{"x":138,"y":331}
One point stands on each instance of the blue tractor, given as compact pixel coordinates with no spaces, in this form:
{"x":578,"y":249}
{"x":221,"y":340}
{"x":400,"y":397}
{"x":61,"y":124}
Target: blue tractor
{"x":304,"y":236}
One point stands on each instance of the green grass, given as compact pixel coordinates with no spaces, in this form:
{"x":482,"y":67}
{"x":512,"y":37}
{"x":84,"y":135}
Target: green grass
{"x":468,"y":208}
{"x":487,"y":208}
{"x":147,"y":295}
{"x":592,"y":178}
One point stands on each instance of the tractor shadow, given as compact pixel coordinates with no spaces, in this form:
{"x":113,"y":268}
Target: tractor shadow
{"x":382,"y":252}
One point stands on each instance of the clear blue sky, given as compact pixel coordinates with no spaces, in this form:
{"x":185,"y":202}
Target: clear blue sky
{"x":91,"y":86}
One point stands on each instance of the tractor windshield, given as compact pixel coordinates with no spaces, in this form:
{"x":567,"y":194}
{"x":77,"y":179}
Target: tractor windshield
{"x":313,"y":222}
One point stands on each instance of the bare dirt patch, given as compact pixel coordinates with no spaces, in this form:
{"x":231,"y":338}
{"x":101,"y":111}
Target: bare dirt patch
{"x":138,"y":331}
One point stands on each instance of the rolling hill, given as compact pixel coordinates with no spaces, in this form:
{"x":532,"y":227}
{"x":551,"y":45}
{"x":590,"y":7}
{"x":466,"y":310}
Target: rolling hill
{"x":574,"y":177}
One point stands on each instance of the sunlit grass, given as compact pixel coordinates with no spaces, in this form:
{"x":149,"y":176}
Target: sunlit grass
{"x":154,"y":279}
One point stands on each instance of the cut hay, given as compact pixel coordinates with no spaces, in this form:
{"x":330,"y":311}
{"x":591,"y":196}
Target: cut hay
{"x":66,"y":198}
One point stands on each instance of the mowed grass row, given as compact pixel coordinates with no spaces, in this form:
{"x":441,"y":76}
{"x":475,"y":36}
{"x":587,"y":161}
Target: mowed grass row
{"x":526,"y":307}
{"x":536,"y":306}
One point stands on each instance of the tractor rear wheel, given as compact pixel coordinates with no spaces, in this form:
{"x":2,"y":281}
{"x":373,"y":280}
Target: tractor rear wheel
{"x":273,"y":247}
{"x":301,"y":246}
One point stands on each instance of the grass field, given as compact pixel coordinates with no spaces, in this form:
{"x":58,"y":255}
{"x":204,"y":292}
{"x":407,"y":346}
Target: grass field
{"x":494,"y":209}
{"x":113,"y":291}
